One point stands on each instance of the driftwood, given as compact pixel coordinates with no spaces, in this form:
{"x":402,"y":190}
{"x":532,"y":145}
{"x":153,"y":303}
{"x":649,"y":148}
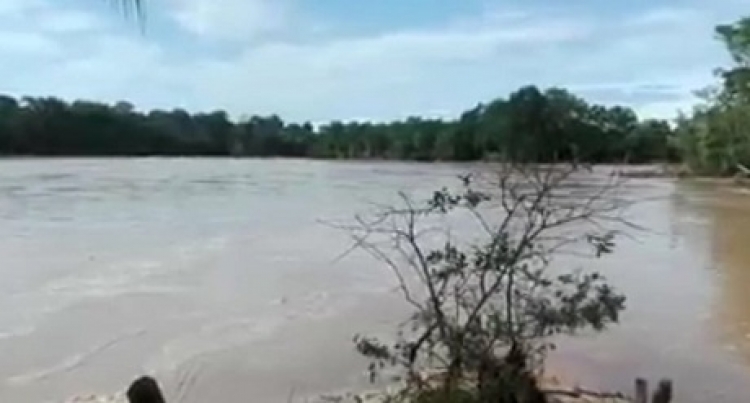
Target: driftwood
{"x":743,"y":170}
{"x":145,"y":390}
{"x":662,"y":394}
{"x":578,"y":392}
{"x":742,"y":176}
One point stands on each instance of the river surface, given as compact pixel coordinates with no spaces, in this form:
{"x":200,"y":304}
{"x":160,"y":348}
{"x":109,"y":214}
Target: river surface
{"x":222,"y":278}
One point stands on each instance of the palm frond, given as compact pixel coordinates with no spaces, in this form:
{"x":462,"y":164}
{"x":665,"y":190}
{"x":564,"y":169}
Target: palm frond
{"x":132,"y":7}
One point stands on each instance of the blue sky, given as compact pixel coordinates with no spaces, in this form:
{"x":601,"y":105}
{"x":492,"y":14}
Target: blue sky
{"x":354,"y":59}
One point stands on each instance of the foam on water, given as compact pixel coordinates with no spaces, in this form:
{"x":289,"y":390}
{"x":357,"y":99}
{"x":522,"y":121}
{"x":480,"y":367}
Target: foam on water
{"x":216,"y":335}
{"x":210,"y":339}
{"x":16,"y":332}
{"x":135,"y":276}
{"x":71,"y":362}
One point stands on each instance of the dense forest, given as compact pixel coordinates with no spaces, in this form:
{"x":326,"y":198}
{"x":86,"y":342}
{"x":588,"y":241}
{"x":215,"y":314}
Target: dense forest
{"x":715,"y":138}
{"x":531,"y":124}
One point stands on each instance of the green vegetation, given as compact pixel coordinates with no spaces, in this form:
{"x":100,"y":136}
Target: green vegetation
{"x":531,"y":125}
{"x":715,"y":139}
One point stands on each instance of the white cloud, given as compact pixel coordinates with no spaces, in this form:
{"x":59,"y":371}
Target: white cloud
{"x":109,"y":68}
{"x":664,"y":16}
{"x":11,"y":8}
{"x":651,"y":60}
{"x":450,"y":68}
{"x":14,"y":43}
{"x":653,"y":99}
{"x":230,"y":19}
{"x":68,"y":21}
{"x":378,"y":76}
{"x":40,"y":16}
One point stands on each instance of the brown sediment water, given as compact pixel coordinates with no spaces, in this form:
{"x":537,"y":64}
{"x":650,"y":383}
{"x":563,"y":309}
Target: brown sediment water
{"x":688,"y":287}
{"x":731,"y":250}
{"x":218,"y":277}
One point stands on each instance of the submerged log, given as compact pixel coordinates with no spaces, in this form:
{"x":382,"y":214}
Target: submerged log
{"x":145,"y":390}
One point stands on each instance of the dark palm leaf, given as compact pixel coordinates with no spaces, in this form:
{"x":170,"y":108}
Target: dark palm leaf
{"x":132,"y":7}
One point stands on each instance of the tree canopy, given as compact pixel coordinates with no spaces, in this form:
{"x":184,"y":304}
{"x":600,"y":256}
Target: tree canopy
{"x":531,"y":124}
{"x":715,"y":138}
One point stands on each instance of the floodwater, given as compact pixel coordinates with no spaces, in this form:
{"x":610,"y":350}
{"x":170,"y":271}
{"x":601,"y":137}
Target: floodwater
{"x":222,"y":278}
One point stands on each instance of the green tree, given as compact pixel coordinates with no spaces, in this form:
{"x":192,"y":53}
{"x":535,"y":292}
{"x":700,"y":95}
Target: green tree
{"x":532,"y":125}
{"x":736,"y":79}
{"x":715,"y":139}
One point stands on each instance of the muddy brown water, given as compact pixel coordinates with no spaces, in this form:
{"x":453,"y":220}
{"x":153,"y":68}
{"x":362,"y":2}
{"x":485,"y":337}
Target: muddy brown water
{"x":218,"y":277}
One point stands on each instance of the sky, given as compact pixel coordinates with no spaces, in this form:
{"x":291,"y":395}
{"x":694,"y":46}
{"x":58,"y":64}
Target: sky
{"x":321,"y":60}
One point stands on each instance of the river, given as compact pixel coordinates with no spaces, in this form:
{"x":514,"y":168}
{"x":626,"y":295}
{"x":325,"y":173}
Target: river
{"x":220,"y":277}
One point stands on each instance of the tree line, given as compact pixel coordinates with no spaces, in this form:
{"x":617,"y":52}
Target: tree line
{"x":531,"y":124}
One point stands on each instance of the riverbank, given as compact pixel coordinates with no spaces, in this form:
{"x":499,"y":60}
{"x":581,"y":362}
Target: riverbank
{"x":558,"y":390}
{"x":679,"y":171}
